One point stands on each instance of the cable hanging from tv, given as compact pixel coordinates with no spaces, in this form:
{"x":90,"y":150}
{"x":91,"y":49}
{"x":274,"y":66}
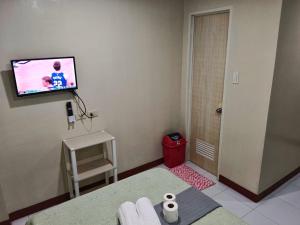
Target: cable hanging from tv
{"x":81,"y":105}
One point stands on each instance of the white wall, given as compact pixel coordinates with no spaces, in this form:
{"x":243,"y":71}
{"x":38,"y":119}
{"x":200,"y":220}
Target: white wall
{"x":129,"y":66}
{"x":282,"y":145}
{"x":252,"y":50}
{"x":3,"y":211}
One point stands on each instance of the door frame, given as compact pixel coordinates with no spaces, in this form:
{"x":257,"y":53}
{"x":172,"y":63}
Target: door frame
{"x":189,"y":82}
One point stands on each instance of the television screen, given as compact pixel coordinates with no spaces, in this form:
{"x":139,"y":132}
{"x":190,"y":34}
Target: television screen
{"x":33,"y":76}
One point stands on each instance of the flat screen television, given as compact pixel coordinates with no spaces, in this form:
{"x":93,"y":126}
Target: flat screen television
{"x":43,"y":75}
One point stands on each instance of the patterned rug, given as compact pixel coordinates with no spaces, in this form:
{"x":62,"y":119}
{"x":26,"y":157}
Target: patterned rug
{"x":192,"y":177}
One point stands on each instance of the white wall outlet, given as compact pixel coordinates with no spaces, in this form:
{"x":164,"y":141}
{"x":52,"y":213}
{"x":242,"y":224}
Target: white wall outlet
{"x":235,"y":78}
{"x":93,"y":113}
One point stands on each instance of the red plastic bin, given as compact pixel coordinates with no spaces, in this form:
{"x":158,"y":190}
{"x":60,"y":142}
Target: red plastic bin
{"x":174,"y":149}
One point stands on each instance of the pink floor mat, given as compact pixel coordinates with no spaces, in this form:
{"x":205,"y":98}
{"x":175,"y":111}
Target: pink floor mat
{"x":192,"y":177}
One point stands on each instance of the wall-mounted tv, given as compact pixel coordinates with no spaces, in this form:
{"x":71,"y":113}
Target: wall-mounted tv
{"x":34,"y":76}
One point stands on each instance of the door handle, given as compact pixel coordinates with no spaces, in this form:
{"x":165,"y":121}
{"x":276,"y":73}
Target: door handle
{"x":219,"y":110}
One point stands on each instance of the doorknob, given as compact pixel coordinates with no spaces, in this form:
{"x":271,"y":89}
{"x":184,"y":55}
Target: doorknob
{"x":219,"y":110}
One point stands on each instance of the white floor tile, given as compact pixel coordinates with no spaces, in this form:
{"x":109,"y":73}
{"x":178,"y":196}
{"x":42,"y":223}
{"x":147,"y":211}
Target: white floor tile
{"x":291,"y":194}
{"x":280,"y":211}
{"x":163,"y":166}
{"x":21,"y":221}
{"x":215,"y":189}
{"x":278,"y":191}
{"x":255,"y":218}
{"x":242,"y":199}
{"x":232,"y":204}
{"x":296,"y":180}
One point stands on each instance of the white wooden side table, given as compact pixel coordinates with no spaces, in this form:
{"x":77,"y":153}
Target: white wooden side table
{"x":90,"y":167}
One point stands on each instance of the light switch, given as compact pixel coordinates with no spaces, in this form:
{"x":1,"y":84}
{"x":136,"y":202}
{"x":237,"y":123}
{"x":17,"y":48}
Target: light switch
{"x":235,"y":78}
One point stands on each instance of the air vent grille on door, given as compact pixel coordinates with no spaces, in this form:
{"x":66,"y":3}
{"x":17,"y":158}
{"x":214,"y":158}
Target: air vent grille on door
{"x":205,"y":149}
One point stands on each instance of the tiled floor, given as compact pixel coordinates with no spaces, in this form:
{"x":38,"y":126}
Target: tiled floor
{"x":280,"y":208}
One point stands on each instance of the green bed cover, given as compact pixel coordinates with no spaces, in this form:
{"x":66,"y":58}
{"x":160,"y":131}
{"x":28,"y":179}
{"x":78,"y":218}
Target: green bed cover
{"x":99,"y":207}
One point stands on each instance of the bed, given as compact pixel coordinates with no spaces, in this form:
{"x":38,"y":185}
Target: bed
{"x":99,"y":207}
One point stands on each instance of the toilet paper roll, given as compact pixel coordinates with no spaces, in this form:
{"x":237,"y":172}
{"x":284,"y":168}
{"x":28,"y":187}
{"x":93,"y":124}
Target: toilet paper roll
{"x":169,"y":197}
{"x":170,"y":211}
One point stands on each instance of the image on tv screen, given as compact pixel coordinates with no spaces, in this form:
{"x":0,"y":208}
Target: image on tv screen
{"x":44,"y":75}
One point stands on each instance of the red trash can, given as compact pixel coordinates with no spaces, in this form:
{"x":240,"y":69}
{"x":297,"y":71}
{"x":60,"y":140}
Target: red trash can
{"x":174,"y":149}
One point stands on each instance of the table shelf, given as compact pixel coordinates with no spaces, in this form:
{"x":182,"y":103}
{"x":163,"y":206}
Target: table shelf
{"x":93,"y":168}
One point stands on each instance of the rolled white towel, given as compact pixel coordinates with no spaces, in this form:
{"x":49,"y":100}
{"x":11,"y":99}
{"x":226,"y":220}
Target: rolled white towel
{"x":128,"y":215}
{"x":147,"y":212}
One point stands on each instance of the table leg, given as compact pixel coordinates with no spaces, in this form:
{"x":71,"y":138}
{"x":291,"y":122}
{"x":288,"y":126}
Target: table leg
{"x":114,"y":156}
{"x":75,"y":173}
{"x":105,"y":156}
{"x":107,"y":178}
{"x":69,"y":178}
{"x":70,"y":186}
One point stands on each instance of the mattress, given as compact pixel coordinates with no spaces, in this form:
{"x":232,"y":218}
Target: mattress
{"x":99,"y":207}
